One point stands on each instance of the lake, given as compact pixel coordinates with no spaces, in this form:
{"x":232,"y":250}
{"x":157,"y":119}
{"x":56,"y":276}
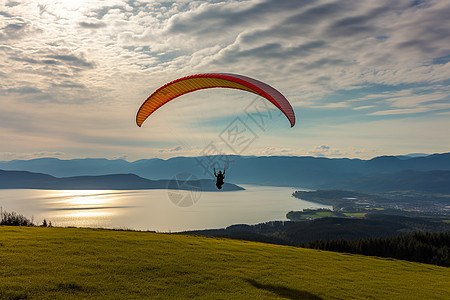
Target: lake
{"x":154,"y":209}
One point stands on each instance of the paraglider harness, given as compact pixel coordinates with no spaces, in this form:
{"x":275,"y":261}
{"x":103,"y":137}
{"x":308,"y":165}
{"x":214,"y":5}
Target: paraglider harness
{"x":220,"y":177}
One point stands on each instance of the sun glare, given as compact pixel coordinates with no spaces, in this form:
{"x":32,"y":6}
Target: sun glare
{"x":83,"y":198}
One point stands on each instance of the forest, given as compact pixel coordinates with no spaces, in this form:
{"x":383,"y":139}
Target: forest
{"x":429,"y":248}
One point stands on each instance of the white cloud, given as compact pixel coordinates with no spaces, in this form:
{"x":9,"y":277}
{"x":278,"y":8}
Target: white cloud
{"x":6,"y":156}
{"x":327,"y":151}
{"x":399,"y":111}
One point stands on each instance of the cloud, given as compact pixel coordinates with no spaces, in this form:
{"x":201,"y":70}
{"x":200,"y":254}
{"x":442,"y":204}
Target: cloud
{"x":70,"y":59}
{"x":16,"y":28}
{"x":171,"y":150}
{"x":7,"y":156}
{"x":273,"y":51}
{"x":24,"y":90}
{"x":405,"y":101}
{"x":326,"y":151}
{"x":399,"y":111}
{"x":12,"y":3}
{"x":94,"y":24}
{"x":273,"y":151}
{"x":55,"y":59}
{"x":345,"y":60}
{"x":68,"y":84}
{"x":211,"y":19}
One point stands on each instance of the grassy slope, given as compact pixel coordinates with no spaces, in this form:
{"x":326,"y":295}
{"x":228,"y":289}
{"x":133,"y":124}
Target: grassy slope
{"x":70,"y":262}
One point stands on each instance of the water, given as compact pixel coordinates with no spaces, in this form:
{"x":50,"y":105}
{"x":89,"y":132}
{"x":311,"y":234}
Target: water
{"x":153,"y":209}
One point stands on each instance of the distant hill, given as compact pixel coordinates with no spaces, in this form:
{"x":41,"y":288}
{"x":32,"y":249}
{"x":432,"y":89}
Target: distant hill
{"x":430,"y":181}
{"x":307,"y":172}
{"x":29,"y":180}
{"x":66,"y":168}
{"x":411,"y":155}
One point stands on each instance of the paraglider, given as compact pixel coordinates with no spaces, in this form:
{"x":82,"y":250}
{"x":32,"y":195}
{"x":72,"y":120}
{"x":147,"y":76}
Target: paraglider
{"x":193,"y":83}
{"x":197,"y":82}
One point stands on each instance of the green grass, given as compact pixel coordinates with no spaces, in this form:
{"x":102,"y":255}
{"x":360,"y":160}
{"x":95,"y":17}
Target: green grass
{"x":64,"y":263}
{"x":356,"y":215}
{"x":325,"y":213}
{"x":316,"y":214}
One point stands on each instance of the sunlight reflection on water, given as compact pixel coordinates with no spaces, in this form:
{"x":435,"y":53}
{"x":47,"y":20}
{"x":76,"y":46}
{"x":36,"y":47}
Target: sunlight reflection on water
{"x":152,"y":209}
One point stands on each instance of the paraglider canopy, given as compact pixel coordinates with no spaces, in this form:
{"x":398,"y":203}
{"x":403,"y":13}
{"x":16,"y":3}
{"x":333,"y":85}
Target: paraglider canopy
{"x":193,"y":83}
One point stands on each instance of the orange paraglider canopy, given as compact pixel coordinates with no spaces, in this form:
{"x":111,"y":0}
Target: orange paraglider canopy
{"x":193,"y":83}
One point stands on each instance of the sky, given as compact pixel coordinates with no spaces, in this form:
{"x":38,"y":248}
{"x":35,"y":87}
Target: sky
{"x":365,"y":78}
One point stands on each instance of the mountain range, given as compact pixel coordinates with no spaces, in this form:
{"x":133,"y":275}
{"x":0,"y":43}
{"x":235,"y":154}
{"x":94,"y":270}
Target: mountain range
{"x":377,"y":174}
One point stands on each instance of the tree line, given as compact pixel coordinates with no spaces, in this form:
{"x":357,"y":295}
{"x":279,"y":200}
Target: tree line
{"x":15,"y":219}
{"x":430,"y":248}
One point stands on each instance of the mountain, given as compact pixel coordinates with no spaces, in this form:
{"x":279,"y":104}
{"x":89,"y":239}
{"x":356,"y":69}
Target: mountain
{"x":307,"y":172}
{"x":411,"y":155}
{"x":430,"y":181}
{"x":29,"y":180}
{"x":392,"y":163}
{"x":66,"y":168}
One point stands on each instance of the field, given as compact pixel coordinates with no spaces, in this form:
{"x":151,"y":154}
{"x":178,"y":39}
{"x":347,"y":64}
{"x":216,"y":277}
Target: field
{"x":61,"y":263}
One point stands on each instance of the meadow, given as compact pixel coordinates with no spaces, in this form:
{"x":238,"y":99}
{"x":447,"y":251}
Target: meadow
{"x":64,"y":263}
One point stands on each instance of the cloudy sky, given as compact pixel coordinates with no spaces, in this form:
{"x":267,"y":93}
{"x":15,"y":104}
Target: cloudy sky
{"x":365,"y":78}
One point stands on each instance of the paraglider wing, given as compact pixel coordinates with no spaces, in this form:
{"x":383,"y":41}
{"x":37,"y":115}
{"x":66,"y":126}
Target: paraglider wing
{"x":193,"y":83}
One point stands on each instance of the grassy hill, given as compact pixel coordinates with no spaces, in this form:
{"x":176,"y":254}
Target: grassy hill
{"x":56,"y":263}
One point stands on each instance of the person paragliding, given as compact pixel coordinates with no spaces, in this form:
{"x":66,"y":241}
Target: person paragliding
{"x":188,"y":84}
{"x":220,"y":177}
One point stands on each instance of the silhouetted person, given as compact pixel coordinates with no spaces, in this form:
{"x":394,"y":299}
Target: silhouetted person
{"x":220,"y":177}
